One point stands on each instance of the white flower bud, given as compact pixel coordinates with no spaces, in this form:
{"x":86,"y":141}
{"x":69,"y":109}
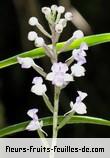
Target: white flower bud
{"x":78,"y":34}
{"x":46,"y":10}
{"x":63,"y":22}
{"x":68,"y":16}
{"x":59,"y":28}
{"x":39,"y":42}
{"x":33,"y":21}
{"x":32,"y":35}
{"x":61,"y":9}
{"x":54,"y":8}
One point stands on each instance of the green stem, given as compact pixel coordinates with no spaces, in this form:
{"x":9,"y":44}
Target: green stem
{"x":69,"y":61}
{"x":39,"y":70}
{"x":55,"y":114}
{"x":65,"y":120}
{"x":55,"y":120}
{"x":43,"y":139}
{"x":48,"y":103}
{"x":40,"y":133}
{"x":55,"y":55}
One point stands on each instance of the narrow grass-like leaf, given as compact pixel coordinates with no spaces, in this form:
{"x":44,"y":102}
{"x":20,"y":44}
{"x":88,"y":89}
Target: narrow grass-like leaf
{"x":39,"y":52}
{"x":47,"y":121}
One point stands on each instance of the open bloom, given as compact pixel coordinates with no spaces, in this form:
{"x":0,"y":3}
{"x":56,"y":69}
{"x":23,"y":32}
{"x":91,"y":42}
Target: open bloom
{"x":26,"y":62}
{"x":38,"y":88}
{"x":79,"y":54}
{"x":34,"y":124}
{"x":78,"y":107}
{"x":78,"y":70}
{"x":58,"y":76}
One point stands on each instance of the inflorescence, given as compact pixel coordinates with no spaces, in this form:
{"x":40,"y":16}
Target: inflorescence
{"x":59,"y":75}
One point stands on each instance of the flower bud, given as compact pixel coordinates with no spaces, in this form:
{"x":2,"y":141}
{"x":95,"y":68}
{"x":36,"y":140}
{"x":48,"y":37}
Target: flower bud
{"x":68,"y":16}
{"x":32,"y":35}
{"x":39,"y":42}
{"x":61,"y":9}
{"x":59,"y":28}
{"x":54,"y":8}
{"x":63,"y":22}
{"x":33,"y":21}
{"x":78,"y":34}
{"x":46,"y":10}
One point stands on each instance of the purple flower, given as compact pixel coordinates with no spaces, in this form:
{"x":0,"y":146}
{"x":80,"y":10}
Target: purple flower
{"x":78,"y":70}
{"x":78,"y":107}
{"x":38,"y":88}
{"x":58,"y":76}
{"x":34,"y":124}
{"x":79,"y":54}
{"x":26,"y":62}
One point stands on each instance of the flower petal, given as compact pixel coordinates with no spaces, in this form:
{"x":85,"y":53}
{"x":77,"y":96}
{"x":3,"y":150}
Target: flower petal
{"x":82,"y":95}
{"x":33,"y":125}
{"x":80,"y":108}
{"x":37,"y":80}
{"x":78,"y":70}
{"x":79,"y":56}
{"x":71,"y":104}
{"x":32,"y":113}
{"x":68,"y":77}
{"x":78,"y":34}
{"x":25,"y":62}
{"x":59,"y":67}
{"x":84,"y":46}
{"x":50,"y":76}
{"x":39,"y":89}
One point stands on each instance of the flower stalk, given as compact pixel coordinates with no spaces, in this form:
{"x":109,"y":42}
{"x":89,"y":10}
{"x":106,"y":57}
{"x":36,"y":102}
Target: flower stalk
{"x":48,"y":103}
{"x":43,"y":139}
{"x":55,"y":114}
{"x":39,"y":70}
{"x":55,"y":119}
{"x":65,"y":120}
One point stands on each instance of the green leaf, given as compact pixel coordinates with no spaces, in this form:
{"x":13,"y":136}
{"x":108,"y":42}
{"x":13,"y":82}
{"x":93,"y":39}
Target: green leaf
{"x":47,"y":121}
{"x":39,"y":52}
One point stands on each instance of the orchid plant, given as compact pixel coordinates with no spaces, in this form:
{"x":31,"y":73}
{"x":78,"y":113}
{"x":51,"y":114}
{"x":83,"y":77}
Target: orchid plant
{"x":61,"y":73}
